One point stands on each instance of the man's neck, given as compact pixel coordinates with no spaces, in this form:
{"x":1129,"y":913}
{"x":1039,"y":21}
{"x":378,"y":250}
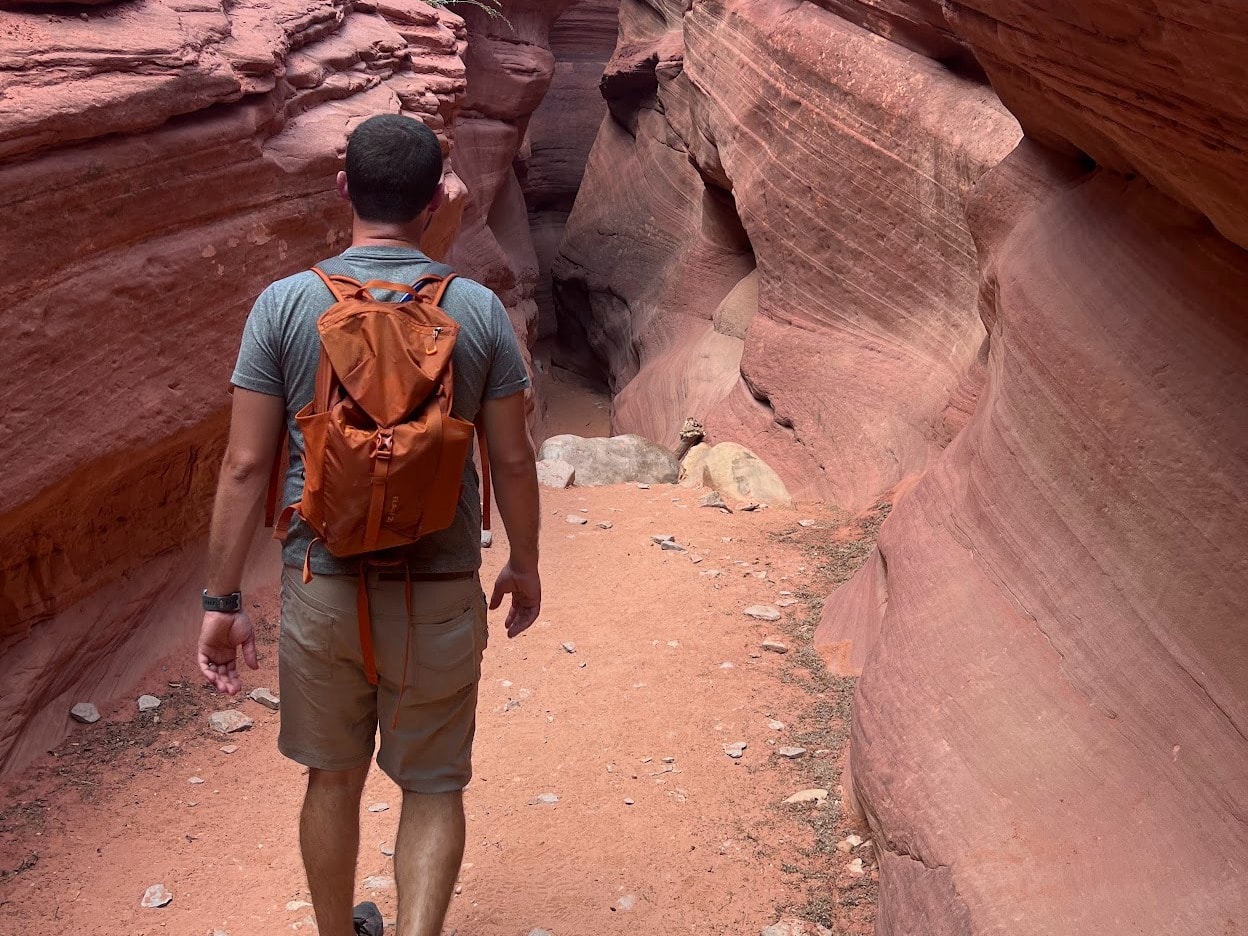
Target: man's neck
{"x":364,"y":234}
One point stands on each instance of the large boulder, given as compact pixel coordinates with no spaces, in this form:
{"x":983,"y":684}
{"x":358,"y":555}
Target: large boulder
{"x":614,"y":460}
{"x":738,"y":473}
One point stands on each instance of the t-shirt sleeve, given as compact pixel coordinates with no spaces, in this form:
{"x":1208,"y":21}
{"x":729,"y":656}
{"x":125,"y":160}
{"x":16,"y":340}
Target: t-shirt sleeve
{"x":507,"y":371}
{"x":259,"y":356}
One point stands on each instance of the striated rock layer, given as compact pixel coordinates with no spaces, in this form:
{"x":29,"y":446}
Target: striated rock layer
{"x":160,"y":164}
{"x":770,"y":238}
{"x":1051,"y":729}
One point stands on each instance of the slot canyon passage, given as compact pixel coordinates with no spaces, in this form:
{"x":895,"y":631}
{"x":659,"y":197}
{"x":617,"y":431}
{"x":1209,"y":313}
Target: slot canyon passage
{"x":969,"y":276}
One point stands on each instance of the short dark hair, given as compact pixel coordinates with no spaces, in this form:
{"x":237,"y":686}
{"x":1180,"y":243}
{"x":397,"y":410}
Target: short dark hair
{"x":394,"y":165}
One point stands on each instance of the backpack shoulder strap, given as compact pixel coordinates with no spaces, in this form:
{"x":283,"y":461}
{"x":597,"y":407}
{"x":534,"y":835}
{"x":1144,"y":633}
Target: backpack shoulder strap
{"x":333,"y":283}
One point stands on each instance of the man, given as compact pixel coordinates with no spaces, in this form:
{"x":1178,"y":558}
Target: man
{"x":330,"y":711}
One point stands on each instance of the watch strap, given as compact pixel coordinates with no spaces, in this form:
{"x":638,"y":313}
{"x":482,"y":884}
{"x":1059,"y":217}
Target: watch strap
{"x":223,"y":603}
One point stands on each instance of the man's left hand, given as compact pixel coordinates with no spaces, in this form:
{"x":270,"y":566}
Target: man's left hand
{"x":219,"y":639}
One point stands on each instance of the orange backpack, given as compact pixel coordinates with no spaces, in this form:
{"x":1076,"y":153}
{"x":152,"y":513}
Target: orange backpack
{"x":383,"y":456}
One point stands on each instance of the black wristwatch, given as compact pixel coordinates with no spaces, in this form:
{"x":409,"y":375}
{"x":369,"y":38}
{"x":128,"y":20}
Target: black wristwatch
{"x":225,"y":603}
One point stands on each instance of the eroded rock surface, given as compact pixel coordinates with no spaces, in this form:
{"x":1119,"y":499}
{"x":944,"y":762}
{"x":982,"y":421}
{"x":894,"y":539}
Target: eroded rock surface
{"x":779,"y":249}
{"x":1049,"y":733}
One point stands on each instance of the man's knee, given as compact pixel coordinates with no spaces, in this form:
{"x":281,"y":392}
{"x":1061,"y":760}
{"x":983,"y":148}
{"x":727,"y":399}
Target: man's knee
{"x":347,"y":783}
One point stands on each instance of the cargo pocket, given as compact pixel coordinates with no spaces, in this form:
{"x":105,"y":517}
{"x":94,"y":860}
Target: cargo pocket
{"x":446,"y":658}
{"x":307,"y":634}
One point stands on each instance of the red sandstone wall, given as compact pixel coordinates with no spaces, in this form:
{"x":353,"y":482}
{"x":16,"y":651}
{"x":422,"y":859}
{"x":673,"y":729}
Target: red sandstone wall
{"x":820,"y":169}
{"x":1050,"y":729}
{"x":145,"y":208}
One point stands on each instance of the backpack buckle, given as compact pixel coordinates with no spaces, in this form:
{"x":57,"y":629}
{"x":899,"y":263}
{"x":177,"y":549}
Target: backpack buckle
{"x":383,"y":445}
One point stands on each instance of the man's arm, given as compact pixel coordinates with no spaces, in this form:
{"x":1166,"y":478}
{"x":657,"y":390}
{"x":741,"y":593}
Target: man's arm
{"x":514,"y":470}
{"x":256,"y":421}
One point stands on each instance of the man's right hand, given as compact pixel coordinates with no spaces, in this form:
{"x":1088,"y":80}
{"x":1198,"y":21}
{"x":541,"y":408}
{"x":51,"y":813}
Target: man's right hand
{"x":525,"y":587}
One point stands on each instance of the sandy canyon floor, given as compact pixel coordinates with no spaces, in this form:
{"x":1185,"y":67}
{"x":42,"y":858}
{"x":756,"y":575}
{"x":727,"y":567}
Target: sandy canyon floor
{"x":656,"y":828}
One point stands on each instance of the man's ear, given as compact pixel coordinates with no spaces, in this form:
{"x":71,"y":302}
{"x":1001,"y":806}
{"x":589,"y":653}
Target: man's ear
{"x":439,"y":196}
{"x":341,"y":182}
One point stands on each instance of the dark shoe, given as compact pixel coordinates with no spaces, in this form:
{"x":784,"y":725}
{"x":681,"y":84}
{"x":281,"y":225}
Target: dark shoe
{"x":367,"y":919}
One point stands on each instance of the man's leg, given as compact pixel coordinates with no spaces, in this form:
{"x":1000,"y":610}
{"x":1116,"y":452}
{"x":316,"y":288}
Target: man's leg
{"x":427,"y":855}
{"x":329,"y":837}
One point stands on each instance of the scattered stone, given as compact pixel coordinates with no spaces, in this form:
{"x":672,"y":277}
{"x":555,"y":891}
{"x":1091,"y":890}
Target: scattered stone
{"x":86,"y":713}
{"x":775,"y":645}
{"x":378,"y":882}
{"x":540,"y":932}
{"x":807,"y":796}
{"x":696,"y":559}
{"x":578,"y":521}
{"x":148,"y":703}
{"x":544,"y":799}
{"x":569,"y":646}
{"x":712,"y":573}
{"x":763,"y":613}
{"x":854,"y":840}
{"x":266,"y":698}
{"x":229,"y":748}
{"x":626,"y":903}
{"x":726,"y":665}
{"x":387,"y":850}
{"x":716,"y":500}
{"x":775,"y":725}
{"x":156,"y":896}
{"x":669,"y":760}
{"x":605,"y":525}
{"x":296,"y":905}
{"x":844,"y":846}
{"x":748,"y":507}
{"x":855,"y":867}
{"x":554,"y":473}
{"x":806,"y":523}
{"x":786,"y":602}
{"x":379,"y":807}
{"x":229,"y":721}
{"x":734,"y":470}
{"x":628,"y":802}
{"x":643,"y":487}
{"x":791,"y":752}
{"x":736,"y":749}
{"x":614,"y":460}
{"x":661,"y":538}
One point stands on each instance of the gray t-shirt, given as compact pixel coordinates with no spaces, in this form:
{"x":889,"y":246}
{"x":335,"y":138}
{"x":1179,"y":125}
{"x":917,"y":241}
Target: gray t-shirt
{"x":279,"y":354}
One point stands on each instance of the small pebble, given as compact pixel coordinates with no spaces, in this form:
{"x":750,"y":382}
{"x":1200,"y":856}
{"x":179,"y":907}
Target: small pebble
{"x":378,"y":807}
{"x":387,"y":850}
{"x":763,"y":613}
{"x":735,"y":750}
{"x":775,"y":725}
{"x":156,"y":896}
{"x":377,"y":882}
{"x":628,"y":802}
{"x":148,"y":703}
{"x":643,"y":487}
{"x":266,"y":698}
{"x":806,"y":523}
{"x":229,"y":721}
{"x":791,"y":752}
{"x":229,"y":748}
{"x":569,"y":646}
{"x":605,"y":524}
{"x":808,"y":796}
{"x":855,"y":867}
{"x":854,"y":840}
{"x":726,"y":665}
{"x":578,"y":521}
{"x":626,"y":903}
{"x":775,"y":645}
{"x":544,"y":799}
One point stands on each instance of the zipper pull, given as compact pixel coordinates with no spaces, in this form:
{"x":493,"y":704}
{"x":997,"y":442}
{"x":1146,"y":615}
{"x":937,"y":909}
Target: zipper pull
{"x":433,"y":345}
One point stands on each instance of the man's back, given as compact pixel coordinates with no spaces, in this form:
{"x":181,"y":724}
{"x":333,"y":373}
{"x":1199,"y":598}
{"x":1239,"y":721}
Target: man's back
{"x":279,"y":355}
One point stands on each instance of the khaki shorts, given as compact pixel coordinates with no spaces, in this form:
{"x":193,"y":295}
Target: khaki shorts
{"x":330,"y":714}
